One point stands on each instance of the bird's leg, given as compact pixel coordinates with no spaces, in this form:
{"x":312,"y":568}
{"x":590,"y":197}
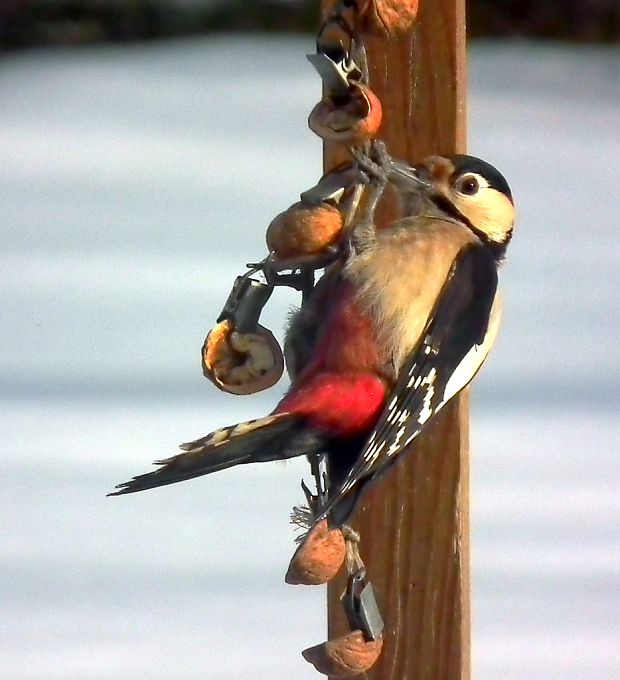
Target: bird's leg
{"x":318,"y":469}
{"x":375,"y":167}
{"x":310,"y":498}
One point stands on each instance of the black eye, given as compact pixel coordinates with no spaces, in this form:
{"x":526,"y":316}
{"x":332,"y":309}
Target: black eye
{"x":468,"y":186}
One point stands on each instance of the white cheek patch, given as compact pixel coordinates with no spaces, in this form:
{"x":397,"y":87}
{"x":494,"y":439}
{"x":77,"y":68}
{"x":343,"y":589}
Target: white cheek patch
{"x":493,"y":213}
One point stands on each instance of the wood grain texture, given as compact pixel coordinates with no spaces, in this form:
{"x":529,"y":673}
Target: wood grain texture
{"x":415,"y":522}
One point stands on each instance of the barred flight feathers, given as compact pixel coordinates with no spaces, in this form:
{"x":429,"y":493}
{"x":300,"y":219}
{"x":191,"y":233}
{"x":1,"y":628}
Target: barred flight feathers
{"x":274,"y":437}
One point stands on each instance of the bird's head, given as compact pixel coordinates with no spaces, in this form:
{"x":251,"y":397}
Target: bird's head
{"x":470,"y":190}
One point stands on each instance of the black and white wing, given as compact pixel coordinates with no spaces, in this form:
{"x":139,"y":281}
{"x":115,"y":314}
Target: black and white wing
{"x":453,"y":347}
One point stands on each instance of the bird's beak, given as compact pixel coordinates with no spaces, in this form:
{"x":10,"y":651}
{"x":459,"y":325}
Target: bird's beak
{"x":413,"y":176}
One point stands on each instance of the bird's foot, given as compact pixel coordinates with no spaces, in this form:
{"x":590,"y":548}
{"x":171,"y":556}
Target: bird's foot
{"x":374,"y":163}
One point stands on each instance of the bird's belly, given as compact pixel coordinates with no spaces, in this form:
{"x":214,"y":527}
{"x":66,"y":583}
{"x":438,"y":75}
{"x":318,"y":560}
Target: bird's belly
{"x":348,"y":340}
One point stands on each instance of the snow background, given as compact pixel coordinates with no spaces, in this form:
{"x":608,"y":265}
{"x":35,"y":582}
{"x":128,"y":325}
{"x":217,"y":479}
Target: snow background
{"x":135,"y":182}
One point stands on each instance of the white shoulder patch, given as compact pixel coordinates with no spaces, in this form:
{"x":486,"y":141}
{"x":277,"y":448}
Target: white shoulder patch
{"x":473,"y":360}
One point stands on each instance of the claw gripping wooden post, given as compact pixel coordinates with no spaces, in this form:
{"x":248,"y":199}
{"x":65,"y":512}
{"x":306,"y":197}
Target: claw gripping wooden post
{"x":415,"y":522}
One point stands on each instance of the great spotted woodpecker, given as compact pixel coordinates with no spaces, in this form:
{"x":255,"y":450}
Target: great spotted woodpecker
{"x":384,"y":341}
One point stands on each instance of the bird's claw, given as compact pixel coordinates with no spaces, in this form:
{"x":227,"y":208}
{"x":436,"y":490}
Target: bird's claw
{"x":374,"y":164}
{"x":311,"y":499}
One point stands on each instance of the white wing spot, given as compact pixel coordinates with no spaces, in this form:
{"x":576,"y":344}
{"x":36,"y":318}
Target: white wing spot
{"x":411,"y":438}
{"x":248,"y":426}
{"x":430,"y":377}
{"x":218,"y":437}
{"x":426,"y":412}
{"x":395,"y":446}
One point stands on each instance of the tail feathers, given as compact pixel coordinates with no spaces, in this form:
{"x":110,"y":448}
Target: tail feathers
{"x":275,"y":437}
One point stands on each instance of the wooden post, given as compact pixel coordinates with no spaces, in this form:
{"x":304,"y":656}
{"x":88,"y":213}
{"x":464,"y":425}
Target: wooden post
{"x":415,"y":522}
